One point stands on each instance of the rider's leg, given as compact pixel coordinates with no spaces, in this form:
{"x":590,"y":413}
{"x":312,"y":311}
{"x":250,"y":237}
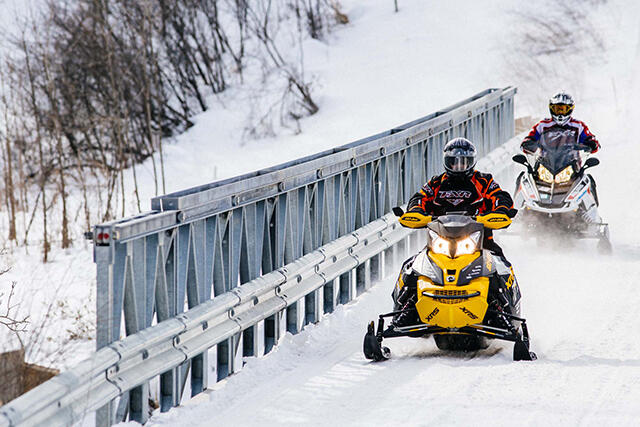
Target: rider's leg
{"x":405,"y":296}
{"x":405,"y":301}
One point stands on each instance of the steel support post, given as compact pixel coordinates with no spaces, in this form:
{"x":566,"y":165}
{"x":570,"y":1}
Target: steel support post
{"x":139,"y":404}
{"x":389,"y":261}
{"x":295,"y":316}
{"x":402,"y":251}
{"x":377,"y":264}
{"x":103,"y":257}
{"x":331,"y":295}
{"x":363,"y":277}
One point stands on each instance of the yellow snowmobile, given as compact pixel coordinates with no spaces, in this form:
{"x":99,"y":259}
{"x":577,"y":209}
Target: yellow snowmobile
{"x":465,"y":294}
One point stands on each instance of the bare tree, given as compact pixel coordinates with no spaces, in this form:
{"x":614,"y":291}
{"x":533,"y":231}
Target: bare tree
{"x":8,"y":160}
{"x":39,"y":140}
{"x":94,"y":87}
{"x":8,"y":316}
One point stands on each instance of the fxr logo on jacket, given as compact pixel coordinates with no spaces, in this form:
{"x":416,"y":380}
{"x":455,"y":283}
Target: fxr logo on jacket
{"x":455,"y":197}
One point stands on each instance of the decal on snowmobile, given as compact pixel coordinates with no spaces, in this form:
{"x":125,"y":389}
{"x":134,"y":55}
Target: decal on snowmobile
{"x":474,"y":271}
{"x":432,"y":314}
{"x":468,"y":313}
{"x":510,"y":280}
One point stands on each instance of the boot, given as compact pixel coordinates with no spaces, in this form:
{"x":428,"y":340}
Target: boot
{"x":409,"y":314}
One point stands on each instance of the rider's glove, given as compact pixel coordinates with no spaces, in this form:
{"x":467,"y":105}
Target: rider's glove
{"x":414,"y":220}
{"x":529,"y":146}
{"x":494,"y":220}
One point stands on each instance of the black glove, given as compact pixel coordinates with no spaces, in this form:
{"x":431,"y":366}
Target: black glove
{"x":529,"y":146}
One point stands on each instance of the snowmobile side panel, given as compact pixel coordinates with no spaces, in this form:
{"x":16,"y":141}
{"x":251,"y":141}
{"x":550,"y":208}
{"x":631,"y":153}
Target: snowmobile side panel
{"x":423,"y":266}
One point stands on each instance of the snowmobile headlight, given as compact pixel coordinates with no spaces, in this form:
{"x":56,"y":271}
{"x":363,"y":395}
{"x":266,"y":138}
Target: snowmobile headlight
{"x":439,"y":245}
{"x":468,"y":245}
{"x":544,"y":174}
{"x":564,"y":175}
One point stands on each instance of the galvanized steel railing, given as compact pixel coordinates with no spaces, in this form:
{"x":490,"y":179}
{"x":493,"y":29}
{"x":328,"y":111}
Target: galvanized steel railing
{"x":302,"y":237}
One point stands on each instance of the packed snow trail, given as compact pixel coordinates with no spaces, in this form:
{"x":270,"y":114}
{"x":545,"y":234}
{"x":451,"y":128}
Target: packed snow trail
{"x":581,"y":323}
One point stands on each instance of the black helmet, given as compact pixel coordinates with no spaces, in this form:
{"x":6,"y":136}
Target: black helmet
{"x":459,"y":157}
{"x":561,"y":106}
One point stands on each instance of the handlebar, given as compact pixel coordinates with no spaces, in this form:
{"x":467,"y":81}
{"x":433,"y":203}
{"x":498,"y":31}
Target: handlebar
{"x":398,"y":211}
{"x":491,"y":220}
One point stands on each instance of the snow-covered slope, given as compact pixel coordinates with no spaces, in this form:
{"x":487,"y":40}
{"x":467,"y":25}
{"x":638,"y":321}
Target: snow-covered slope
{"x":382,"y":70}
{"x":581,"y":307}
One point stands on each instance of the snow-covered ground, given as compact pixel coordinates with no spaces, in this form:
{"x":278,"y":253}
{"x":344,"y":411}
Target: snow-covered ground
{"x":381,"y":70}
{"x":588,"y":370}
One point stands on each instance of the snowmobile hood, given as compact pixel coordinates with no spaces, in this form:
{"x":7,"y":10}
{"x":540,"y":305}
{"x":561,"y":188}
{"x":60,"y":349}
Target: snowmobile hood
{"x":455,"y":226}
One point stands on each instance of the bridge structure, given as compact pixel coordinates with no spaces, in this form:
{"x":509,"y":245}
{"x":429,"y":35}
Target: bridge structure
{"x":221,"y":271}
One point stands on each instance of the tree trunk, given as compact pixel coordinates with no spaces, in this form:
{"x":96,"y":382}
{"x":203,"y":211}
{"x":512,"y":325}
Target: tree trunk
{"x":43,"y":191}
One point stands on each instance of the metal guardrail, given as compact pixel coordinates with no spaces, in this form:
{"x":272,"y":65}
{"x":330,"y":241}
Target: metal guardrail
{"x":303,"y":237}
{"x":138,"y":358}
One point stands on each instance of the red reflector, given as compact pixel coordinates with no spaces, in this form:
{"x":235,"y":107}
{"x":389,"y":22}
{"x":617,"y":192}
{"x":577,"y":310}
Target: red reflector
{"x":105,"y":236}
{"x":100,"y":236}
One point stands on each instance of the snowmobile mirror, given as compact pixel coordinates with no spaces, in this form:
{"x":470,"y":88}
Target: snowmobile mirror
{"x":520,"y":158}
{"x":397,"y":211}
{"x":591,"y":162}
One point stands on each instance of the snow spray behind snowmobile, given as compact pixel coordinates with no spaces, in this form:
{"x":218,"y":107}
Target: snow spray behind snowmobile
{"x":466,"y":295}
{"x":555,"y":195}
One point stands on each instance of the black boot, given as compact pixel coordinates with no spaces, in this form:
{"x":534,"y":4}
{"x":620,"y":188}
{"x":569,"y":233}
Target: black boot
{"x":407,"y":305}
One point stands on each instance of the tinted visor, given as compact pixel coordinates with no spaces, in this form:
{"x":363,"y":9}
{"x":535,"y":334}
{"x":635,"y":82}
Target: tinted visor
{"x":561,"y":109}
{"x":458,"y":163}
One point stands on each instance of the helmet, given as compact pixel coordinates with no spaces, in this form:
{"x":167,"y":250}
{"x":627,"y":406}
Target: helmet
{"x":459,"y":157}
{"x":561,"y":106}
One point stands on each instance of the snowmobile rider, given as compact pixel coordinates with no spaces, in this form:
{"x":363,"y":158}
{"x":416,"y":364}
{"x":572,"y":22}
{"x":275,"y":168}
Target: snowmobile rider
{"x":463,"y":189}
{"x":460,"y":188}
{"x":561,"y":106}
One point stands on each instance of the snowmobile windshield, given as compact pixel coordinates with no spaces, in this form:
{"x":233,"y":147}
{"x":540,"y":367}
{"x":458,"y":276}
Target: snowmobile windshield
{"x":559,"y":149}
{"x":455,"y":225}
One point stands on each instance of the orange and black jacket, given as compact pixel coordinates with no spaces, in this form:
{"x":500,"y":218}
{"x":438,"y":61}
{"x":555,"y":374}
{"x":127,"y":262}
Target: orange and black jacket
{"x":476,"y":194}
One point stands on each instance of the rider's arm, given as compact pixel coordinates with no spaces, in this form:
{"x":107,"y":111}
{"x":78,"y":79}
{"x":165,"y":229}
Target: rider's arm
{"x":530,"y":142}
{"x":422,"y":201}
{"x":500,"y":209}
{"x":588,"y":139}
{"x":501,"y":201}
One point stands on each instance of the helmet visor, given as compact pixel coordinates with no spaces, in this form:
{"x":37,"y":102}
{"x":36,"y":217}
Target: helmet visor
{"x":561,"y":109}
{"x":458,"y":163}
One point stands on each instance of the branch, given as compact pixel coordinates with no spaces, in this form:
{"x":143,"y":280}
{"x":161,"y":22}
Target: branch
{"x":7,"y":314}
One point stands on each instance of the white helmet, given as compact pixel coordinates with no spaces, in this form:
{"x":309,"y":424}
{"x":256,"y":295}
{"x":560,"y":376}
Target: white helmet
{"x":561,"y":106}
